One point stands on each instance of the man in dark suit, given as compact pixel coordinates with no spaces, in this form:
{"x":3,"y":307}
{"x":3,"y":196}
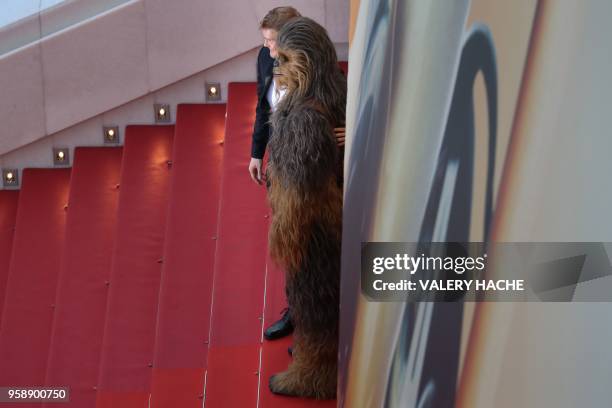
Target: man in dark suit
{"x":261,"y":130}
{"x":266,"y":99}
{"x":270,"y":26}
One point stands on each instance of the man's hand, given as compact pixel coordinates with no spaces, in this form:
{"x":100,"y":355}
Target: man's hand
{"x":340,"y":134}
{"x":255,"y":170}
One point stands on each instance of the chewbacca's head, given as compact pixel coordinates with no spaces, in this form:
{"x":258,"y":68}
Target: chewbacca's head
{"x":305,"y":55}
{"x":308,"y":68}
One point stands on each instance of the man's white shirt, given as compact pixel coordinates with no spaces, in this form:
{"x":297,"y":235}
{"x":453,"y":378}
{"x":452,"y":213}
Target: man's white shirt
{"x":274,"y":95}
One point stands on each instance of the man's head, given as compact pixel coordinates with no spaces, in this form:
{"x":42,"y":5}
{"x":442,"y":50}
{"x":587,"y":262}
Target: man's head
{"x":272,"y":23}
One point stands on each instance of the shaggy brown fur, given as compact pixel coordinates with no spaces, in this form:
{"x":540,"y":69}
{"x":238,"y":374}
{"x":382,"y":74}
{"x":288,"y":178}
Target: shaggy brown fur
{"x":306,"y":201}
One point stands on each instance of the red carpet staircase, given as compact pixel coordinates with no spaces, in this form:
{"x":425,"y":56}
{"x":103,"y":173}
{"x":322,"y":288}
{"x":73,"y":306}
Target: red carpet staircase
{"x":140,"y":278}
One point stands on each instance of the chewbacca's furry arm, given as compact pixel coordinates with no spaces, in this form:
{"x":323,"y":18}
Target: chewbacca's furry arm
{"x":304,"y":154}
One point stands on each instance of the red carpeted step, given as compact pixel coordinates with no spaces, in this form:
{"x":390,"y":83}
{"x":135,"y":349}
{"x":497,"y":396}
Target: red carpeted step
{"x":233,"y":360}
{"x":32,"y":281}
{"x":76,"y":340}
{"x":8,"y":215}
{"x":183,"y":324}
{"x":129,"y":333}
{"x":344,"y":67}
{"x":274,"y":356}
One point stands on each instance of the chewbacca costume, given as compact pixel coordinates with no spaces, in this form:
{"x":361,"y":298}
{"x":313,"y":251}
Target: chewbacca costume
{"x":305,"y":240}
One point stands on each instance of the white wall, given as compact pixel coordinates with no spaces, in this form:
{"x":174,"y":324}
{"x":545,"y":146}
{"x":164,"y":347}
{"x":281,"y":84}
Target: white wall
{"x":138,"y":111}
{"x":136,"y":48}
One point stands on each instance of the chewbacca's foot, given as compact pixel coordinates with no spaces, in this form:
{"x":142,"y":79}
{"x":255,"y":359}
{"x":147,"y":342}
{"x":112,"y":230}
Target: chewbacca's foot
{"x":290,"y":383}
{"x":279,"y":385}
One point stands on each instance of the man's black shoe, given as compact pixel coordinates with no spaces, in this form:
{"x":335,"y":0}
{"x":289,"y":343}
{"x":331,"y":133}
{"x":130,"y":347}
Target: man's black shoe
{"x":281,"y":328}
{"x":290,"y":351}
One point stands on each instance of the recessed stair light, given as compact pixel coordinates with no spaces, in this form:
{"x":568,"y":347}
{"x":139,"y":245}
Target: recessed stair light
{"x":111,"y":134}
{"x":10,"y":177}
{"x":213,"y":91}
{"x":162,"y":113}
{"x":61,"y":156}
